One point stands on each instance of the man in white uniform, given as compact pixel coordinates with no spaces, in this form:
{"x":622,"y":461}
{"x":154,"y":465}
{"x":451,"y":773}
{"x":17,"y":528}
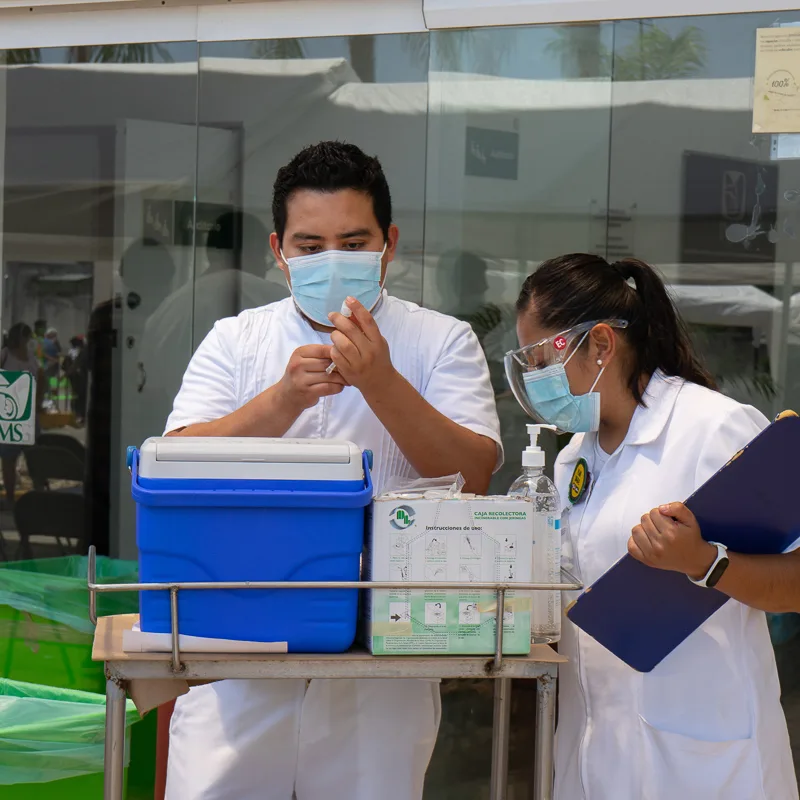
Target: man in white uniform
{"x":409,"y":384}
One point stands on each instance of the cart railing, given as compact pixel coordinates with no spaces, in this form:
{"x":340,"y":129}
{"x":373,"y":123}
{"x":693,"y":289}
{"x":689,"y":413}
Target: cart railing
{"x":568,"y":583}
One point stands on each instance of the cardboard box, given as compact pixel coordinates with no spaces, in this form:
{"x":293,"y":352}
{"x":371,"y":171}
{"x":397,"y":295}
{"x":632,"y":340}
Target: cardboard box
{"x":470,"y":539}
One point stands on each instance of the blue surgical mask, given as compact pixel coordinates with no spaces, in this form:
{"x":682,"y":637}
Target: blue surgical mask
{"x":321,"y":282}
{"x":552,"y":399}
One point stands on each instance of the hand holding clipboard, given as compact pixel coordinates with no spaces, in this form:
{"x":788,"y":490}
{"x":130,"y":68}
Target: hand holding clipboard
{"x":751,"y":506}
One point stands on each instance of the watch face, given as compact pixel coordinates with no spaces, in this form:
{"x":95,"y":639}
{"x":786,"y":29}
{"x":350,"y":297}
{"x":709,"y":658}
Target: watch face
{"x":716,"y":574}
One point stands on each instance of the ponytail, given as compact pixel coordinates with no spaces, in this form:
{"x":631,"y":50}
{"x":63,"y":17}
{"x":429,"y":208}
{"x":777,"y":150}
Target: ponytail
{"x":658,"y":335}
{"x":572,"y":289}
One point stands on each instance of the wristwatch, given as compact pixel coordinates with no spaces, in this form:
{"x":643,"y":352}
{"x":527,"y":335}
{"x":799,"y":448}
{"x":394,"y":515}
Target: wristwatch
{"x":715,"y":571}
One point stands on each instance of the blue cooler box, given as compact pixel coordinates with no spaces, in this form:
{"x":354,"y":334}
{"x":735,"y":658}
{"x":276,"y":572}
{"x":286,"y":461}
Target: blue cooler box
{"x":217,"y":509}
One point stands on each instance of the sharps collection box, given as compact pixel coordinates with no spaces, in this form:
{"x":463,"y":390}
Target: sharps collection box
{"x":468,"y":539}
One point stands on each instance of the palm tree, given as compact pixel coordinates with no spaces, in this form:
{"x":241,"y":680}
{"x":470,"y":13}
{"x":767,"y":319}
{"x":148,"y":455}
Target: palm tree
{"x":470,"y":50}
{"x":658,"y":56}
{"x":30,"y":55}
{"x":279,"y":49}
{"x":655,"y":55}
{"x":581,"y":51}
{"x":149,"y":53}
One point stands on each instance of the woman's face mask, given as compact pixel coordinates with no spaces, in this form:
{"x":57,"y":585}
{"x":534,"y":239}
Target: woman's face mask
{"x":321,"y":282}
{"x":537,"y":374}
{"x":552,"y":399}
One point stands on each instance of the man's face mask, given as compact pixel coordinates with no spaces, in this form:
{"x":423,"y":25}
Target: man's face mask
{"x":537,"y":375}
{"x":321,"y":282}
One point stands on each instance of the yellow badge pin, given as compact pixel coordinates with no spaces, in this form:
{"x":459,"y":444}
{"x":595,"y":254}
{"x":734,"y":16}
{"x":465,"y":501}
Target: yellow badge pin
{"x":579,"y":482}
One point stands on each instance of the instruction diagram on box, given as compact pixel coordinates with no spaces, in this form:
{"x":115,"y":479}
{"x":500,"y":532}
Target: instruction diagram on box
{"x":508,"y":545}
{"x":435,"y":547}
{"x":471,"y":545}
{"x":398,"y":572}
{"x":435,"y":572}
{"x":468,"y":614}
{"x":399,"y":612}
{"x":469,"y":573}
{"x":436,"y":613}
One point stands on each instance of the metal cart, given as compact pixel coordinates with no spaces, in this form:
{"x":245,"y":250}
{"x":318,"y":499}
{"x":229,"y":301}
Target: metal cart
{"x":541,"y":665}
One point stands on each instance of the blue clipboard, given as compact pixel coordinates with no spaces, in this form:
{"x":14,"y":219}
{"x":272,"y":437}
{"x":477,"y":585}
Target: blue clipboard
{"x":752,"y":505}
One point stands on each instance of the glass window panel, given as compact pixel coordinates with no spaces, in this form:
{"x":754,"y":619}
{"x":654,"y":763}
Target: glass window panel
{"x":696,"y":193}
{"x":136,"y":212}
{"x":98,"y":146}
{"x":518,"y":142}
{"x":260,"y":102}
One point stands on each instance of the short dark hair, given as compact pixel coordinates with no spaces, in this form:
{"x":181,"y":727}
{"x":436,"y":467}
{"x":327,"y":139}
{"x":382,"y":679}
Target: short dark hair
{"x":17,"y":334}
{"x":577,"y":288}
{"x":40,"y":325}
{"x":332,"y":167}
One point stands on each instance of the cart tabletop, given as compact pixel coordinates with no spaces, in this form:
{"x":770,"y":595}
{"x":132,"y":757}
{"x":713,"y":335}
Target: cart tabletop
{"x":355,"y":663}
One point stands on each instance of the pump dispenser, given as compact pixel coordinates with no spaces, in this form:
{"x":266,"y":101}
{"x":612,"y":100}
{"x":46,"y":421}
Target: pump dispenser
{"x":535,"y":485}
{"x":533,"y":455}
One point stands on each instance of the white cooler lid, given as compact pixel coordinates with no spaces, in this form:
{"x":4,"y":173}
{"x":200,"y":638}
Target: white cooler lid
{"x":181,"y":457}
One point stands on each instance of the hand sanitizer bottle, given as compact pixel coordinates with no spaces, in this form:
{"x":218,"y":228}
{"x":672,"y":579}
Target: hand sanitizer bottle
{"x":534,"y":484}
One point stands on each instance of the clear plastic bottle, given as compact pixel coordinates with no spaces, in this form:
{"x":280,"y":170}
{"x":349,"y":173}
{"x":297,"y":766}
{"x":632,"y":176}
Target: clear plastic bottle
{"x":533,"y":483}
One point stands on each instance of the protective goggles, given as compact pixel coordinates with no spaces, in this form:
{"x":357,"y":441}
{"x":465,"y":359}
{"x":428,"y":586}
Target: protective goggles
{"x":556,"y":349}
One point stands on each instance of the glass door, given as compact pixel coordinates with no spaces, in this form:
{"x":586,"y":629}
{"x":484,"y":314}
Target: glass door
{"x":158,"y":225}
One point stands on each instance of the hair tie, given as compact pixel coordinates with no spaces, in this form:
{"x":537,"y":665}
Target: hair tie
{"x":619,"y":269}
{"x":624,"y":273}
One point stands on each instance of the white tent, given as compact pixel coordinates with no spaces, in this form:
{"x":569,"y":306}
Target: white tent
{"x":741,"y":306}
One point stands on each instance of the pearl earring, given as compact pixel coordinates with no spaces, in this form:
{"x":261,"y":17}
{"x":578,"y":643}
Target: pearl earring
{"x":599,"y":363}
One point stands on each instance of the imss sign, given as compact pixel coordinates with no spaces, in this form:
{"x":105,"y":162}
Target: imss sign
{"x":17,"y":420}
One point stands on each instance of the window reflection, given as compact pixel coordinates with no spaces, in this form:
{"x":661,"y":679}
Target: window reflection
{"x":70,"y":184}
{"x":136,"y":212}
{"x":280,"y":94}
{"x":715,"y":210}
{"x":518,"y":139}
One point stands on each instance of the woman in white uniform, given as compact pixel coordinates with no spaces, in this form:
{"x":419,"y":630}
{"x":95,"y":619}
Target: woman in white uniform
{"x":605,"y":355}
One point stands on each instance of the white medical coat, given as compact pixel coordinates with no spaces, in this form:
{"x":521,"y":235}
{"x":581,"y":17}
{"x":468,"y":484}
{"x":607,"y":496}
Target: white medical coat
{"x":185,"y":317}
{"x":360,"y":740}
{"x":438,"y":355}
{"x":706,"y":723}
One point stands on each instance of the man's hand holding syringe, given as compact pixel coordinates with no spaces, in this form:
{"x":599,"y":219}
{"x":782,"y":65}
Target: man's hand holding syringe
{"x":358,"y":357}
{"x":346,"y":313}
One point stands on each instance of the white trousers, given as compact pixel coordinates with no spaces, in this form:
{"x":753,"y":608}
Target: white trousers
{"x":325,"y":740}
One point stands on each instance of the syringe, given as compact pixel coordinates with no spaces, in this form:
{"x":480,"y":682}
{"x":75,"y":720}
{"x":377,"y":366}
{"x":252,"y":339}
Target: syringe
{"x":345,"y":312}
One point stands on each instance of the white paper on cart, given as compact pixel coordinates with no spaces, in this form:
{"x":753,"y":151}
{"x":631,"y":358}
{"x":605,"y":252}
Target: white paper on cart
{"x":134,"y":641}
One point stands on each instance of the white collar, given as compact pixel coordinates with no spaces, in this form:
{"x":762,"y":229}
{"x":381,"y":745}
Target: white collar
{"x":649,"y":420}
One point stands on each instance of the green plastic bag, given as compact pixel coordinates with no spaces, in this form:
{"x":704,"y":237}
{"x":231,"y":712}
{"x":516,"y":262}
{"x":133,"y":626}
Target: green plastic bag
{"x":45,"y":633}
{"x":49,"y":734}
{"x":55,"y":588}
